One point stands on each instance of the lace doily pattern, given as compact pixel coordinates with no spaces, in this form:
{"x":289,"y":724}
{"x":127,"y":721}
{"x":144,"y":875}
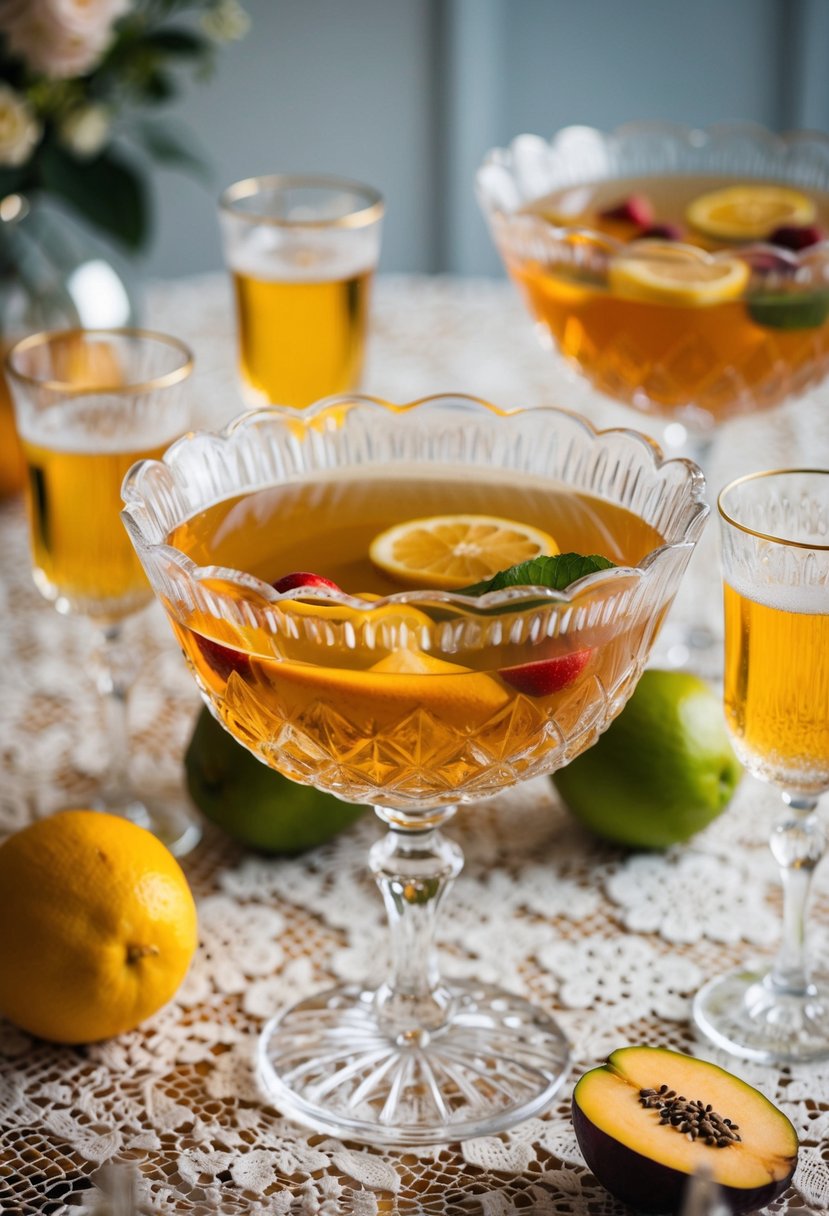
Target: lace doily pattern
{"x":614,"y":944}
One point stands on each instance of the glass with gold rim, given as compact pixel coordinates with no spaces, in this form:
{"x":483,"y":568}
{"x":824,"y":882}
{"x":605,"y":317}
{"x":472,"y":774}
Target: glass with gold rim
{"x":88,"y":404}
{"x":301,"y":251}
{"x":414,"y":700}
{"x":775,"y":545}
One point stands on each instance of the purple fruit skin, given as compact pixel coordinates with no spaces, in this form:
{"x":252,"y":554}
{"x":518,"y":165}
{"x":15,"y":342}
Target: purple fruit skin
{"x":797,"y":236}
{"x":648,"y":1185}
{"x":764,"y":261}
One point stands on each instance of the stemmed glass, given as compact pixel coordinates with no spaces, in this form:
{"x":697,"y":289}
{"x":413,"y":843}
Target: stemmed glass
{"x":775,"y":545}
{"x":694,"y":362}
{"x":417,"y":701}
{"x":88,"y":404}
{"x":691,"y":360}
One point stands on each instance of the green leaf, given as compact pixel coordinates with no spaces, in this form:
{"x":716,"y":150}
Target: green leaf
{"x":158,"y":87}
{"x":795,"y":310}
{"x":178,"y":42}
{"x":556,"y":572}
{"x":13,"y":180}
{"x":169,"y":147}
{"x":106,"y":191}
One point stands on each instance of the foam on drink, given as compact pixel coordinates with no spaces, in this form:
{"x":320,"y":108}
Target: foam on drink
{"x":302,"y":297}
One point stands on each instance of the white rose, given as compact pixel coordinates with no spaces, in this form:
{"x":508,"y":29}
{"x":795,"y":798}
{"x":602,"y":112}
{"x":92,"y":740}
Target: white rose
{"x":85,"y":130}
{"x":87,"y":15}
{"x":20,"y":131}
{"x":61,"y":38}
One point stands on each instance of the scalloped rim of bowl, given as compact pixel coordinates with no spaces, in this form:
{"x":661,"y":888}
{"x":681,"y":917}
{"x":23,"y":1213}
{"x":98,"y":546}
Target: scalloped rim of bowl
{"x":144,"y":529}
{"x":784,"y":146}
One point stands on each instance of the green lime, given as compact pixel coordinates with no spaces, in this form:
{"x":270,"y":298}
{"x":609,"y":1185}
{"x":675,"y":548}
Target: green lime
{"x":792,"y":310}
{"x":661,"y":771}
{"x":253,"y":803}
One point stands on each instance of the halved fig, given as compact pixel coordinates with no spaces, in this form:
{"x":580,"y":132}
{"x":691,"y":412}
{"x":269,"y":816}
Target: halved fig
{"x":650,"y":1117}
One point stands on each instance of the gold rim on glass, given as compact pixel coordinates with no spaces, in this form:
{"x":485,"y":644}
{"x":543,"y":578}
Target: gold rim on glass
{"x":777,"y":540}
{"x":73,"y":388}
{"x":249,"y":186}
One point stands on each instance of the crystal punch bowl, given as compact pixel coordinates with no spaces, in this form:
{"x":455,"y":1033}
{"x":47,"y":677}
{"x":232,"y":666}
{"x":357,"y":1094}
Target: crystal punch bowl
{"x":414,"y":700}
{"x":693,"y":325}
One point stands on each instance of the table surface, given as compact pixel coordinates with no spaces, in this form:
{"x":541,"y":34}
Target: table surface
{"x":613,"y":943}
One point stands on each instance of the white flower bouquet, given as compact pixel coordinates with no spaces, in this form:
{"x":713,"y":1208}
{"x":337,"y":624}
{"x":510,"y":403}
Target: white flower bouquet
{"x":77,"y":78}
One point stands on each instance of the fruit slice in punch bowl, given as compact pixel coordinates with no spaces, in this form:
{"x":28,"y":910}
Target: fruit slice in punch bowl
{"x":280,"y":552}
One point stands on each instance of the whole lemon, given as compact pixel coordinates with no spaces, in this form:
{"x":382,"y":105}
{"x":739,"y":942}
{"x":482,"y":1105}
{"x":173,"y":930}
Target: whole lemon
{"x":661,"y":771}
{"x":98,"y":926}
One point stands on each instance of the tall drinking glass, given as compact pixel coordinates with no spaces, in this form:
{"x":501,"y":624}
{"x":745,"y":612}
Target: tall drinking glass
{"x":302,"y":253}
{"x":89,"y":403}
{"x":775,"y":540}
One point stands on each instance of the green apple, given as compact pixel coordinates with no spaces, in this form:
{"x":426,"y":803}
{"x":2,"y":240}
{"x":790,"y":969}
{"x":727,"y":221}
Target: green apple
{"x":661,"y":771}
{"x":253,"y":803}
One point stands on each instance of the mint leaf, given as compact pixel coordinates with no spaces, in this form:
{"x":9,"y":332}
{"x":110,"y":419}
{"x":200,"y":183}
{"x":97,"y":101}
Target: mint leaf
{"x":556,"y":572}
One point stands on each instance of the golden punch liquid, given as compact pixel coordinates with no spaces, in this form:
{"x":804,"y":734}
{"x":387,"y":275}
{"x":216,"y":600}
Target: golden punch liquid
{"x":302,"y":316}
{"x":355,"y":700}
{"x":76,"y":459}
{"x":716,"y":359}
{"x":777,"y":684}
{"x":12,"y":467}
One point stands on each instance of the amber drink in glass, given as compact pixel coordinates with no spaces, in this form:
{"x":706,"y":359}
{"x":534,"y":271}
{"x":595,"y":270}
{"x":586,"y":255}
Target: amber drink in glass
{"x":775,"y":536}
{"x":693,"y":313}
{"x":682,"y":272}
{"x":416,"y":700}
{"x":88,"y":404}
{"x":302,"y":252}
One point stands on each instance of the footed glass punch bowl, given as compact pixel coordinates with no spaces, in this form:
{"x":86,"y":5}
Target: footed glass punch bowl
{"x":684,"y":272}
{"x":412,"y":698}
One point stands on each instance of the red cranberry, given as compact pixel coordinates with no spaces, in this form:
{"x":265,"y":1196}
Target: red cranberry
{"x":302,"y":578}
{"x":797,"y":236}
{"x":635,"y":209}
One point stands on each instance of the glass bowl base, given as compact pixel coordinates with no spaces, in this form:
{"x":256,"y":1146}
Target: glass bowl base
{"x":746,"y":1014}
{"x":331,"y":1064}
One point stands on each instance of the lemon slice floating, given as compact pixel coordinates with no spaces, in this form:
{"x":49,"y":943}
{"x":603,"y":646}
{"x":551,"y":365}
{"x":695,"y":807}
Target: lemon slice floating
{"x":748,"y":213}
{"x":664,"y":275}
{"x":445,"y":552}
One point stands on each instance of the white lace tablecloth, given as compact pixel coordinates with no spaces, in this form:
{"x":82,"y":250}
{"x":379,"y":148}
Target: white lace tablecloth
{"x":615,"y":944}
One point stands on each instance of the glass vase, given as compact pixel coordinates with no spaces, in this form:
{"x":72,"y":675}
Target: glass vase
{"x":54,"y":273}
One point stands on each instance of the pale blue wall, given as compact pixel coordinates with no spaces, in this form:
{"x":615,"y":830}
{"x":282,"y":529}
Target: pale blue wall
{"x":337,"y":86}
{"x":409,"y":94}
